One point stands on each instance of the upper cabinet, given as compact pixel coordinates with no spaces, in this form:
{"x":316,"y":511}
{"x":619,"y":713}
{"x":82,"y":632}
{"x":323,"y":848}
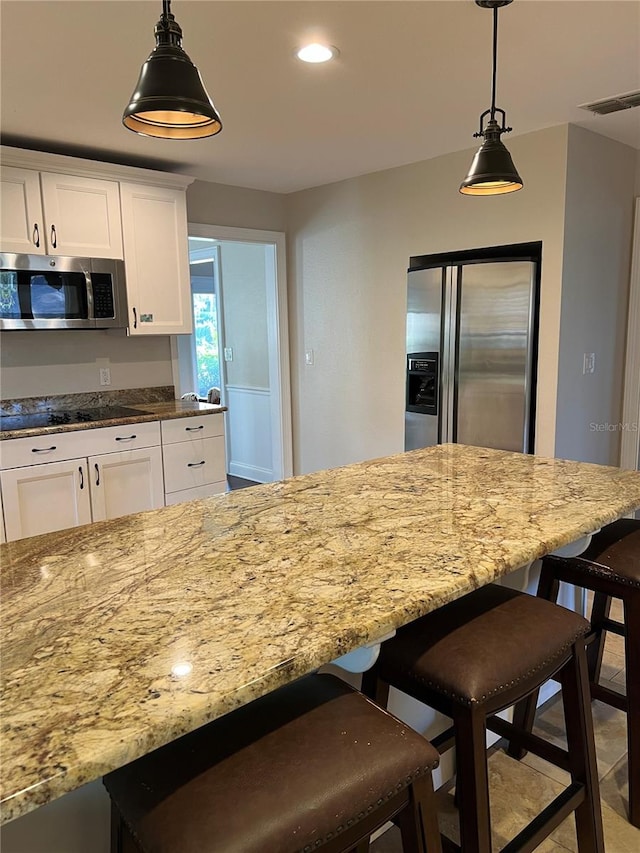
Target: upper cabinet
{"x":60,"y":214}
{"x":52,"y":204}
{"x":154,"y":223}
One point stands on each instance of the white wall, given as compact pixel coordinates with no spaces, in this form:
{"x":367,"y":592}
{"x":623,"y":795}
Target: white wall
{"x":40,"y":363}
{"x":349,"y":247}
{"x":595,"y":288}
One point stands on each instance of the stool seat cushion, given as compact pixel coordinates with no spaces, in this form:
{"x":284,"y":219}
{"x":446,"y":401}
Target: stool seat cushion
{"x":614,"y":552}
{"x":287,"y":772}
{"x":492,"y":645}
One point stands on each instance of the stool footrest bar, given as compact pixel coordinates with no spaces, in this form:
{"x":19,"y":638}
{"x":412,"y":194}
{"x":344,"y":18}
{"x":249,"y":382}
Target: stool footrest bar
{"x":551,"y":817}
{"x":611,"y":697}
{"x":532,"y":743}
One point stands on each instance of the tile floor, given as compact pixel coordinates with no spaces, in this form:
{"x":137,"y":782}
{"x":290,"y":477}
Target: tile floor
{"x":519,"y":790}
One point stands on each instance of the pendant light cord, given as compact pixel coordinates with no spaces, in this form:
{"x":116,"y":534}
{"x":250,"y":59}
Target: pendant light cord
{"x":495,"y":62}
{"x":166,"y":8}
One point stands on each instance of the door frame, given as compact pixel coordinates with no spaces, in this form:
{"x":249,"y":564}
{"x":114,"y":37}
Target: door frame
{"x":277,"y":338}
{"x":630,"y":439}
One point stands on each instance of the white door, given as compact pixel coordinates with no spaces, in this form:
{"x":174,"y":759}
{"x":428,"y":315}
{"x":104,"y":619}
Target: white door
{"x":22,"y":226}
{"x":154,"y":224}
{"x":43,"y":498}
{"x":126,"y":482}
{"x":82,"y":216}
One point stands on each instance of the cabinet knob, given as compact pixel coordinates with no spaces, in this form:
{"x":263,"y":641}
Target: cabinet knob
{"x":36,"y":235}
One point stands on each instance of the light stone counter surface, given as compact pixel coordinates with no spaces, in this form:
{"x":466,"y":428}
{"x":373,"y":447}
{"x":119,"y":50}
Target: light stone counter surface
{"x":146,"y":412}
{"x":120,"y":636}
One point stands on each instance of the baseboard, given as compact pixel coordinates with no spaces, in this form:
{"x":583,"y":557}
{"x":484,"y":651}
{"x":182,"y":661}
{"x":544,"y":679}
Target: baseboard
{"x":250,"y":472}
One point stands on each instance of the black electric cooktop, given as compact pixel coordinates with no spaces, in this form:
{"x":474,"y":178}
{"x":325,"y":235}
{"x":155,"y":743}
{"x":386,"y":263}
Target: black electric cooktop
{"x":76,"y":416}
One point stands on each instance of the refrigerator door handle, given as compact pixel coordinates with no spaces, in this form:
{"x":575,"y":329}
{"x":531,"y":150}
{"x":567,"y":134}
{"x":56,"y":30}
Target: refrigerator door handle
{"x":448,"y":355}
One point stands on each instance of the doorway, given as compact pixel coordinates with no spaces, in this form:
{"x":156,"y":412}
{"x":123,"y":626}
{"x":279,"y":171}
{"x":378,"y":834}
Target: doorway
{"x":240,"y":345}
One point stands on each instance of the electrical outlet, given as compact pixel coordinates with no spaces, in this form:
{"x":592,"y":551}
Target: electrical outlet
{"x":308,"y":357}
{"x":105,"y":376}
{"x":589,"y":363}
{"x":228,"y":353}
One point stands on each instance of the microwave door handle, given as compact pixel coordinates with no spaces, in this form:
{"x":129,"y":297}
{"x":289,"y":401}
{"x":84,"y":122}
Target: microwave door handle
{"x":90,"y":311}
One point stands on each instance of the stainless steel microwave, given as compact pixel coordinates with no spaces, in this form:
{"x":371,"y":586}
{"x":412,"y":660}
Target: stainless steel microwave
{"x":52,"y":292}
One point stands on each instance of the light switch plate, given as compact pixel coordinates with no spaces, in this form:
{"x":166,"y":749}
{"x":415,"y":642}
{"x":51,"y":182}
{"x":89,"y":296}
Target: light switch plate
{"x":228,"y":353}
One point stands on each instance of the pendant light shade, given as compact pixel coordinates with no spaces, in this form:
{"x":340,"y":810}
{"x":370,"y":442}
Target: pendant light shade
{"x":492,"y":171}
{"x":170,"y":101}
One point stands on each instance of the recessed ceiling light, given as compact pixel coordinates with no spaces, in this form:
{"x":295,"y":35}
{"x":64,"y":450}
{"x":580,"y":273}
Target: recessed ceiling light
{"x":317,"y":52}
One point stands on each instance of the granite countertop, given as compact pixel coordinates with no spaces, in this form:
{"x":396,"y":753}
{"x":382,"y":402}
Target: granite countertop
{"x":120,"y":636}
{"x":146,"y":412}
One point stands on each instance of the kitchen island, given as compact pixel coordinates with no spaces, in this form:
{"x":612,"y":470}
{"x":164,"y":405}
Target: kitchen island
{"x":120,"y":636}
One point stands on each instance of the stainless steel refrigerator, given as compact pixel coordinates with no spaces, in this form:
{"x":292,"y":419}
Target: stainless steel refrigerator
{"x":472,"y":322}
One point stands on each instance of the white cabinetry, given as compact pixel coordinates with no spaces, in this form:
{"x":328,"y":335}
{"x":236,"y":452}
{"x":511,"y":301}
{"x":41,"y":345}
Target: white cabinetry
{"x":53,"y":204}
{"x":194,"y":458}
{"x":154,"y":221}
{"x":126,"y":482}
{"x":42,"y":498}
{"x":60,"y":214}
{"x":97,"y":480}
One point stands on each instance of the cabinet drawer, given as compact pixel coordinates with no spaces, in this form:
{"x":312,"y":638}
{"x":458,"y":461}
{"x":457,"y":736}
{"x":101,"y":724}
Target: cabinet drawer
{"x":125,"y":437}
{"x":198,"y":493}
{"x":18,"y":452}
{"x":193,"y":463}
{"x":189,"y":429}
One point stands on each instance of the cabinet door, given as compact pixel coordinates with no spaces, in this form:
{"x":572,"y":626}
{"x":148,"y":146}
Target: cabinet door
{"x":22,"y":226}
{"x":82,"y":216}
{"x":42,"y":498}
{"x":126,"y":482}
{"x":154,"y":227}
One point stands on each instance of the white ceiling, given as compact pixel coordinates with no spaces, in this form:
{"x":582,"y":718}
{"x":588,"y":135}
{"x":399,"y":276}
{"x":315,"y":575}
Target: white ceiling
{"x":410,"y":83}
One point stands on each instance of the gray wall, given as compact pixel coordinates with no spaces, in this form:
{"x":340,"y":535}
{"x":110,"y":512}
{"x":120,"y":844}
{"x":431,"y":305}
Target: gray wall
{"x":349,"y":245}
{"x":245,"y":313}
{"x":235,"y":207}
{"x":36,"y":364}
{"x":595,"y":288}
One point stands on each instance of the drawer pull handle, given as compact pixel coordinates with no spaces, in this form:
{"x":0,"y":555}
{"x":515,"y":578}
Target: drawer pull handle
{"x":195,"y":464}
{"x":97,"y":474}
{"x":81,"y":477}
{"x":54,"y":237}
{"x":194,"y":429}
{"x":36,"y":235}
{"x":125,"y":437}
{"x":43,"y":449}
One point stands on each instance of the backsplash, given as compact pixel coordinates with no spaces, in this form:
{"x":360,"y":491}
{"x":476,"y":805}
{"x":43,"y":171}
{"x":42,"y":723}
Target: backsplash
{"x":88,"y":400}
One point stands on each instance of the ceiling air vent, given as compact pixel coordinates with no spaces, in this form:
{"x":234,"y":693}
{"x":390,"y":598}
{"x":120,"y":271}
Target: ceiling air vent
{"x":614,"y":104}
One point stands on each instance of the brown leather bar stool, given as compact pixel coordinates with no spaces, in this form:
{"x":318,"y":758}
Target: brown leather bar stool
{"x":314,"y":765}
{"x":477,"y":656}
{"x":610,"y":567}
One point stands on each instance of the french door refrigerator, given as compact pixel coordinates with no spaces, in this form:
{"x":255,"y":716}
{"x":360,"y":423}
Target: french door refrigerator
{"x":472,"y":325}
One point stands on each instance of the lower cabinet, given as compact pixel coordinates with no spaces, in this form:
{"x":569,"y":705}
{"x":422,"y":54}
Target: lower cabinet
{"x":95,"y":487}
{"x":166,"y":463}
{"x":193,"y":453}
{"x":43,"y":498}
{"x":126,"y":482}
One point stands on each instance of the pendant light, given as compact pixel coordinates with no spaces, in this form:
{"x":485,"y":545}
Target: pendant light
{"x":170,"y":101}
{"x":492,"y":171}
